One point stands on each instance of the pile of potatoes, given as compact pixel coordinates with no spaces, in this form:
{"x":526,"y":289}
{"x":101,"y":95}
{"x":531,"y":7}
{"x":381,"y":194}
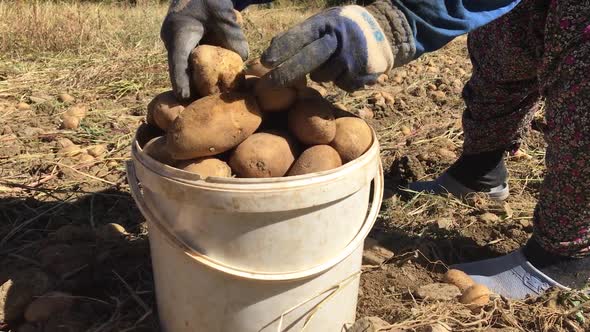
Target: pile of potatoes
{"x":242,"y":126}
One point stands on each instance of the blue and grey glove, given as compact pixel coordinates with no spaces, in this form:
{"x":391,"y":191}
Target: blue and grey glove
{"x":190,"y":22}
{"x":351,"y":46}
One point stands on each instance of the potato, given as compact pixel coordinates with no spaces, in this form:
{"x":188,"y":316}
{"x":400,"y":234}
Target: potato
{"x":459,"y":279}
{"x":158,"y":150}
{"x":70,"y":122}
{"x":215,"y":70}
{"x":353,"y":138}
{"x":263,"y":155}
{"x":146,"y":132}
{"x":318,"y":158}
{"x":163,"y":110}
{"x":476,"y":296}
{"x":206,"y":167}
{"x":213,"y":125}
{"x":274,"y":99}
{"x":312,"y":121}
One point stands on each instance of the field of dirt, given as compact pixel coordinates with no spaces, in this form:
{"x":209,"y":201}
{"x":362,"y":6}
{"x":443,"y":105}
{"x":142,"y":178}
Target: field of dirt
{"x":57,"y":207}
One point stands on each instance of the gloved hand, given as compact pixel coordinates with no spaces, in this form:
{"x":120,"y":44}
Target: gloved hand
{"x":190,"y":22}
{"x":351,"y":46}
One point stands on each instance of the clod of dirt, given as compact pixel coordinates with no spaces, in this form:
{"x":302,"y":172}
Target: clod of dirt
{"x":446,"y":154}
{"x":489,"y":218}
{"x":476,"y":296}
{"x":438,"y":292}
{"x":445,"y":223}
{"x":7,"y":130}
{"x":23,"y":106}
{"x":521,"y":155}
{"x":438,"y":96}
{"x":70,"y":233}
{"x":64,"y":142}
{"x":42,"y":308}
{"x":71,"y":150}
{"x":374,"y":254}
{"x":66,"y":98}
{"x":97,"y":150}
{"x":389,"y":100}
{"x":382,"y":79}
{"x":19,"y":291}
{"x":365,"y":113}
{"x":62,"y":259}
{"x":111,"y":232}
{"x":369,"y":324}
{"x":85,"y":158}
{"x":459,"y":279}
{"x":406,"y":130}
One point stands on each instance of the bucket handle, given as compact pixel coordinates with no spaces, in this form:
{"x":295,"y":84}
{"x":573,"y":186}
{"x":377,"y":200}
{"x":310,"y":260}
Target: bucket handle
{"x":213,"y":264}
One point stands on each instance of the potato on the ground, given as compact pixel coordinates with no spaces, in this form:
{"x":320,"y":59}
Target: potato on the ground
{"x":274,"y":99}
{"x":213,"y":125}
{"x":206,"y":167}
{"x":317,"y":158}
{"x":312,"y":121}
{"x":353,"y":138}
{"x":163,"y":110}
{"x":264,"y":155}
{"x":158,"y":150}
{"x":215,"y":70}
{"x":476,"y":296}
{"x":459,"y":279}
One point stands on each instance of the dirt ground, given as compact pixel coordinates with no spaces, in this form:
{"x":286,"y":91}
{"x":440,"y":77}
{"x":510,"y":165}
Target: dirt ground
{"x":108,"y":273}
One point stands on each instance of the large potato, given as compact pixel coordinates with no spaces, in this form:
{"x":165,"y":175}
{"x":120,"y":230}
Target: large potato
{"x":216,"y":70}
{"x":213,"y":125}
{"x":158,"y":150}
{"x":206,"y":167}
{"x":264,"y":155}
{"x":163,"y":110}
{"x":312,"y":121}
{"x":272,"y":98}
{"x":317,"y":158}
{"x":353,"y":138}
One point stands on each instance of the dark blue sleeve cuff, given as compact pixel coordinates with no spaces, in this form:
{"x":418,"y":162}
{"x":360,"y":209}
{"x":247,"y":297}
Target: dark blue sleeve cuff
{"x":436,"y":22}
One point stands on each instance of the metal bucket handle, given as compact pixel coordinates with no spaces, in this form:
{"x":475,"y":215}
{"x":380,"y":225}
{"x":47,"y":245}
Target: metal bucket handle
{"x":216,"y":265}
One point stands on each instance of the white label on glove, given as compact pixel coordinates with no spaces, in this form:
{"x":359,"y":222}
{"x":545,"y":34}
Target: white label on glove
{"x":379,"y":55}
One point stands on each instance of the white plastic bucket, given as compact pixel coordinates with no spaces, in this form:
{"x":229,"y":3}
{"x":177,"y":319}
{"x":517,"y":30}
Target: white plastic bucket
{"x":249,"y":255}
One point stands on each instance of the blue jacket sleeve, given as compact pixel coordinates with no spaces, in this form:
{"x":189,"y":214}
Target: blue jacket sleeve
{"x":242,"y":4}
{"x":436,"y":22}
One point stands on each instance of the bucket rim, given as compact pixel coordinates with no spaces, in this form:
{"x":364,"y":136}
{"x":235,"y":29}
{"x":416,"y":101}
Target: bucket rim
{"x":172,"y":173}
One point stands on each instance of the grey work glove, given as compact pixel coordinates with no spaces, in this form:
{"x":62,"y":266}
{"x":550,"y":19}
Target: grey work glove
{"x":350,"y":46}
{"x":190,"y":22}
